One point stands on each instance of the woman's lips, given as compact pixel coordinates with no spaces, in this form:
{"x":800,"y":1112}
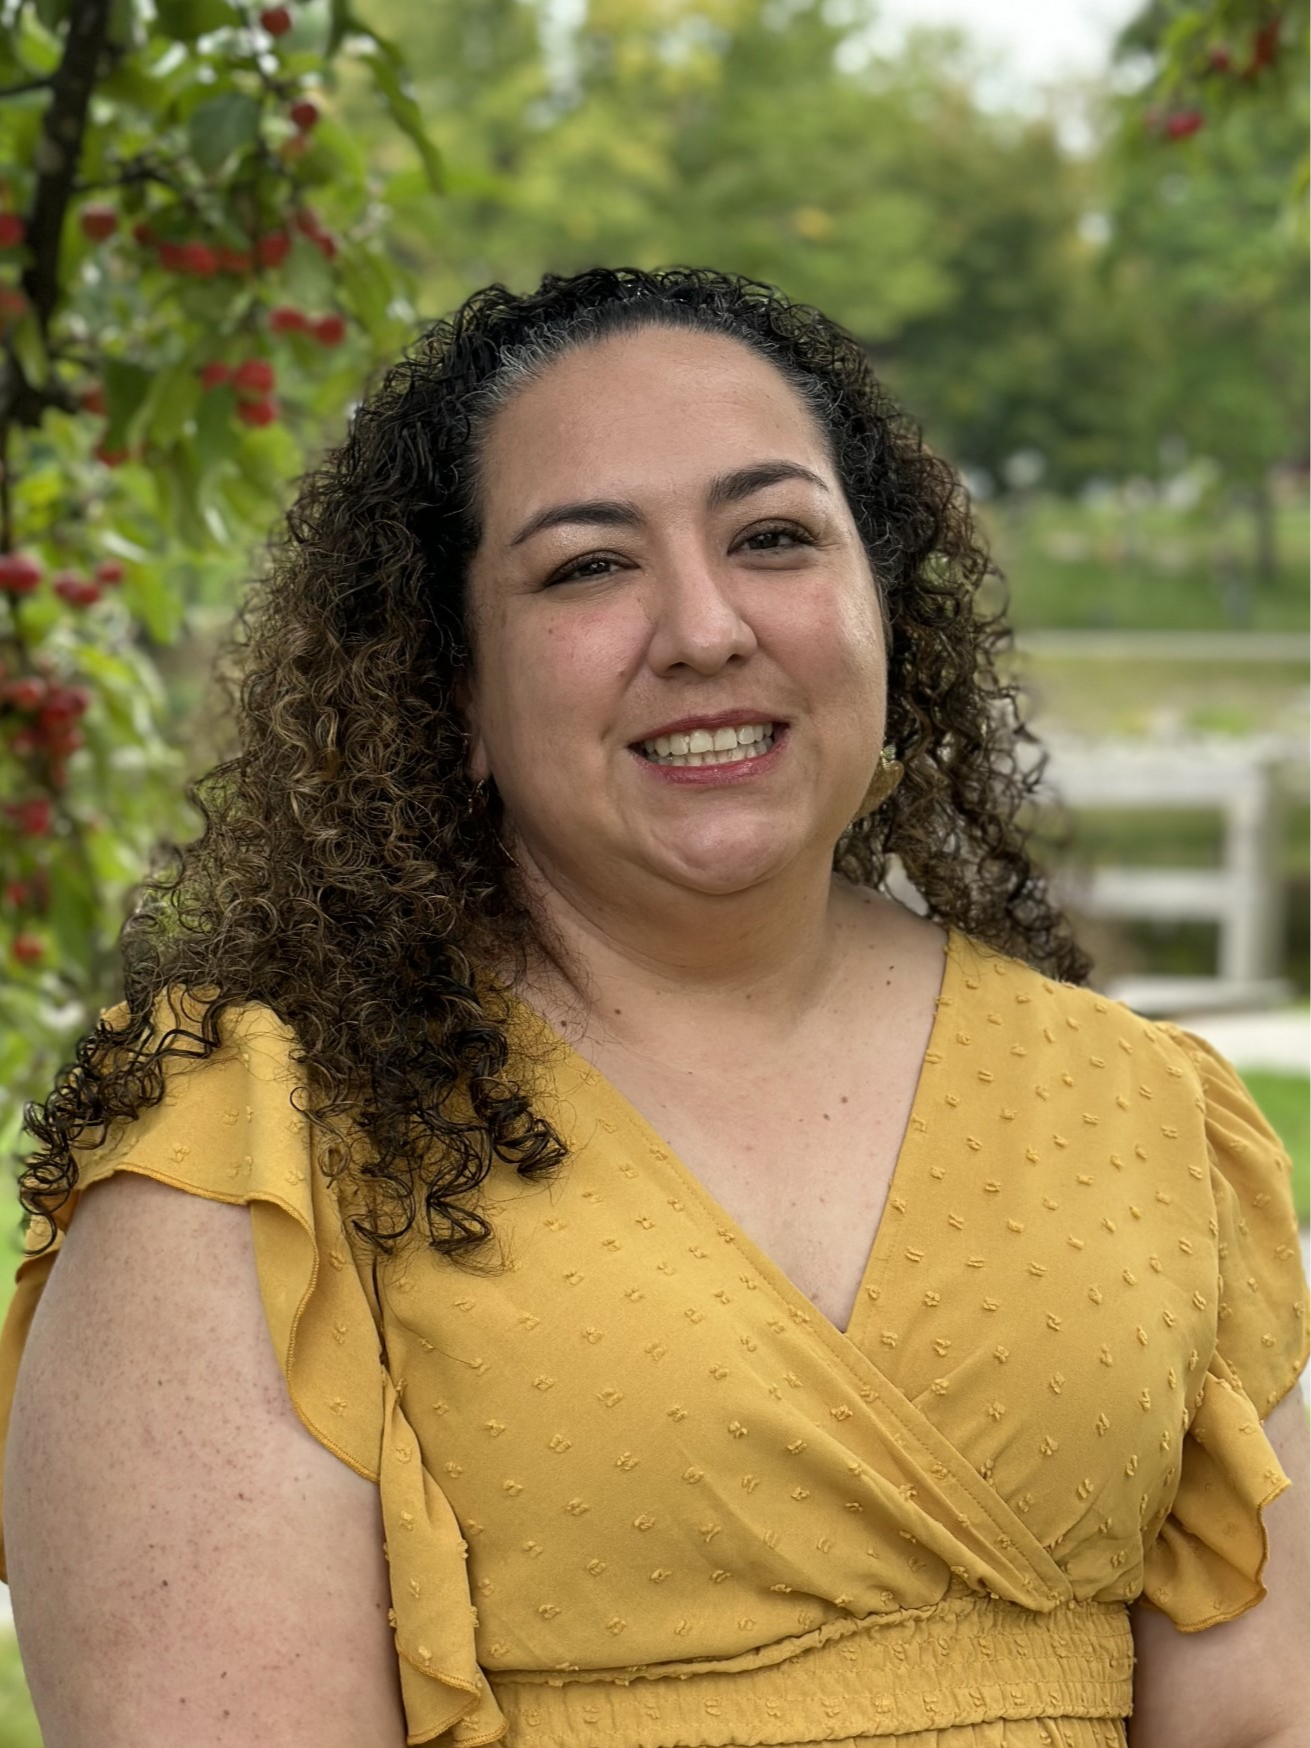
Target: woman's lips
{"x":719,"y":767}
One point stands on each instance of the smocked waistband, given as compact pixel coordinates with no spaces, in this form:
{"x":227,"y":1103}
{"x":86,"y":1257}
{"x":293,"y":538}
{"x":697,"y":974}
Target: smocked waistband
{"x":966,"y":1660}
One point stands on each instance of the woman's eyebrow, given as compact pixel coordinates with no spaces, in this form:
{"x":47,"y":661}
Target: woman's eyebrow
{"x":728,"y":488}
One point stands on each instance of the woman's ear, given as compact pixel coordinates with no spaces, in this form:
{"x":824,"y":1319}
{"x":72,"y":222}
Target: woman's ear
{"x":477,"y":763}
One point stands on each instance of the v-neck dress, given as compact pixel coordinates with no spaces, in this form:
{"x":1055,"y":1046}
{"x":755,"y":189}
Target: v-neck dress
{"x":638,"y":1492}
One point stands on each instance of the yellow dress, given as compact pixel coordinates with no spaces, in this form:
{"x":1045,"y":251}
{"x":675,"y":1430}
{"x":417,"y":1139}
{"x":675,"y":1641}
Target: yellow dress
{"x":638,"y":1492}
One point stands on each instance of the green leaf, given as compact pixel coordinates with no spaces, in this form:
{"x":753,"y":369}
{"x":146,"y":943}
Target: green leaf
{"x":126,"y":387}
{"x":72,"y":917}
{"x":171,"y":403}
{"x":221,"y":126}
{"x":52,"y":13}
{"x":217,"y":437}
{"x":30,"y":349}
{"x":404,"y":110}
{"x":153,"y":603}
{"x":368,"y":289}
{"x":185,"y":20}
{"x":177,"y":481}
{"x":342,"y":23}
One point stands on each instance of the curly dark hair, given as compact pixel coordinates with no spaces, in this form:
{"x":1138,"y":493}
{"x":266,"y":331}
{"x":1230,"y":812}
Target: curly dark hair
{"x":346,"y":876}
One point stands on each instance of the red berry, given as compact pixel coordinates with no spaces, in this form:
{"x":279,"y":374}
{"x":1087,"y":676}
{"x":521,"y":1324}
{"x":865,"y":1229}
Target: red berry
{"x":110,"y":457}
{"x":326,"y":246}
{"x":12,"y":303}
{"x":200,"y":259}
{"x":19,"y":574}
{"x":98,"y":221}
{"x":257,"y":413}
{"x":255,"y":377}
{"x":284,"y":319}
{"x":15,"y":893}
{"x":143,"y":234}
{"x":1220,"y":59}
{"x":93,"y":399}
{"x":170,"y":256}
{"x":272,"y":248}
{"x":234,"y":260}
{"x":304,"y":114}
{"x":27,"y":949}
{"x":76,"y":590}
{"x":64,"y":704}
{"x":26,"y":693}
{"x":1265,"y":46}
{"x":110,"y":571}
{"x":276,"y":20}
{"x":1183,"y":122}
{"x":307,"y":222}
{"x":329,"y":330}
{"x":215,"y":374}
{"x":13,"y":230}
{"x":33,"y":818}
{"x":62,"y":739}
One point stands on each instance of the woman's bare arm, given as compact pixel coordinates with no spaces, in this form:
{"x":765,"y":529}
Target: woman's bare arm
{"x":186,"y":1562}
{"x":1244,"y":1684}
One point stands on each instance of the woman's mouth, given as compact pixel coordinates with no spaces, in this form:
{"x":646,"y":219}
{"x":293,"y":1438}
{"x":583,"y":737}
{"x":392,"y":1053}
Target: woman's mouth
{"x":710,"y":746}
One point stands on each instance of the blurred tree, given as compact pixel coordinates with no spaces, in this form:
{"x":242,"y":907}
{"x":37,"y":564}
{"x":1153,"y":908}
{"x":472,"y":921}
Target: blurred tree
{"x":193,"y":280}
{"x":1209,"y":59}
{"x":761,"y":137}
{"x":1208,"y":245}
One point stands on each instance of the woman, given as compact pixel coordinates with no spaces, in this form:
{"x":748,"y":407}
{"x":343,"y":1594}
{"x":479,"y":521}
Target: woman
{"x":748,"y":1311}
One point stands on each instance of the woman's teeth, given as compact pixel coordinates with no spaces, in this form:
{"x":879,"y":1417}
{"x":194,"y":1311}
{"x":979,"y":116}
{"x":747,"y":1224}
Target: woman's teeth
{"x":705,"y":746}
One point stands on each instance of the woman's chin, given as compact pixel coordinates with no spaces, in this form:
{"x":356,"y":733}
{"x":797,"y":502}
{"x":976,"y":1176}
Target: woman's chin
{"x":719,"y":870}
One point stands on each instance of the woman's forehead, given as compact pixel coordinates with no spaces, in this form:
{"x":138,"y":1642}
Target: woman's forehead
{"x":658,"y":405}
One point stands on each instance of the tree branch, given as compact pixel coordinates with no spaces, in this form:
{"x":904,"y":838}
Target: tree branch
{"x":60,"y":148}
{"x":33,"y":84}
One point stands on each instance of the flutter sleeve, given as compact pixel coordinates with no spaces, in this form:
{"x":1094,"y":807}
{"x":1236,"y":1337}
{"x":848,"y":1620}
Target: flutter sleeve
{"x":228,"y":1128}
{"x":1205,"y":1565}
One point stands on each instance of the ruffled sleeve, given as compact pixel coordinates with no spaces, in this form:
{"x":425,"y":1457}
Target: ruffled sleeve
{"x":1206,"y":1562}
{"x":228,"y":1129}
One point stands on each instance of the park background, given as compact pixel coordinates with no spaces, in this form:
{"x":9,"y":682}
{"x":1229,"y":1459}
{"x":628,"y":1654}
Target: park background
{"x":1072,"y":239}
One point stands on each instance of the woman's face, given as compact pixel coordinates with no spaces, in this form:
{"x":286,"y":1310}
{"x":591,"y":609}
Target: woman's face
{"x":667,"y":555}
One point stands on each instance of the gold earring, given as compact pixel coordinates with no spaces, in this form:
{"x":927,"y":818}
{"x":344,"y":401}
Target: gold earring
{"x":887,"y":774}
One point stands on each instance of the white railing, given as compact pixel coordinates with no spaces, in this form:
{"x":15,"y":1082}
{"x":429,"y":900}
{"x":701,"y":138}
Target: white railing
{"x":1239,"y":779}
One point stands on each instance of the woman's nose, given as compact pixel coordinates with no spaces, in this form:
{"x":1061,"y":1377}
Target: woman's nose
{"x":697,"y":623}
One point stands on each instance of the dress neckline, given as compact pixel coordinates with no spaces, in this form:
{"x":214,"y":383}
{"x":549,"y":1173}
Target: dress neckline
{"x":662,"y":1151}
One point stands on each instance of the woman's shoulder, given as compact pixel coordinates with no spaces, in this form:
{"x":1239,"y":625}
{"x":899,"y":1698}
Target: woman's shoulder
{"x":1036,"y":1009}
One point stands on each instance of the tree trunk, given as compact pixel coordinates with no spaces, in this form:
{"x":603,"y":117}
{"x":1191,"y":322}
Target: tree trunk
{"x":1265,"y":549}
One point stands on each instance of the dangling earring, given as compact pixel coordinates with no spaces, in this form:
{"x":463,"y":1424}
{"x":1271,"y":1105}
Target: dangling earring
{"x":887,"y":775}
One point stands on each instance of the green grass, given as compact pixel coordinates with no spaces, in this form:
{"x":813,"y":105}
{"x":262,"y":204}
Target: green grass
{"x":1076,"y":566}
{"x":18,"y":1727}
{"x":1286,"y":1101}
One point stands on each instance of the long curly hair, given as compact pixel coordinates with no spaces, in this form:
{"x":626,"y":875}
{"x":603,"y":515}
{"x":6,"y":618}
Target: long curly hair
{"x":347,"y":876}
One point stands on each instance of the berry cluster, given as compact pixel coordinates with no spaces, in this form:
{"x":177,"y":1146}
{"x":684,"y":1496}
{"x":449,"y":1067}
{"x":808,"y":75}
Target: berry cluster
{"x":1220,"y":63}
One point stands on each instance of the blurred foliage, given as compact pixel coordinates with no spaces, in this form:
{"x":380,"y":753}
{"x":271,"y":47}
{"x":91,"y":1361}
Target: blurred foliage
{"x":1286,"y":1101}
{"x":194,"y":279}
{"x":18,"y":1725}
{"x":1213,"y":58}
{"x":759,"y":137}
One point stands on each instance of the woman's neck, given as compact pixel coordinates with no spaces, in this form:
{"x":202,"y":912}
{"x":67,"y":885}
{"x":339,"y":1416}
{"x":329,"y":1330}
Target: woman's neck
{"x":760,"y":958}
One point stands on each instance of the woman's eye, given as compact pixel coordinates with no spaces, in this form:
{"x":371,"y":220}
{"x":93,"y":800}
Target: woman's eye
{"x":777,"y":539}
{"x":583,"y":570}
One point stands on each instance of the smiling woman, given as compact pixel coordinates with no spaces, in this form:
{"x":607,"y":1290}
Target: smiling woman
{"x":746,"y":1309}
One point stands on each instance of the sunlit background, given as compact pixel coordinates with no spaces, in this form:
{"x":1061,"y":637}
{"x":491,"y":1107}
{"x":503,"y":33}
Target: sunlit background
{"x":1071,"y":236}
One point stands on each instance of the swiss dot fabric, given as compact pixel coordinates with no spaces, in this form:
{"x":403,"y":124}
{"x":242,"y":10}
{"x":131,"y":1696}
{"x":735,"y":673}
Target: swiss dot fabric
{"x":638,"y":1492}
